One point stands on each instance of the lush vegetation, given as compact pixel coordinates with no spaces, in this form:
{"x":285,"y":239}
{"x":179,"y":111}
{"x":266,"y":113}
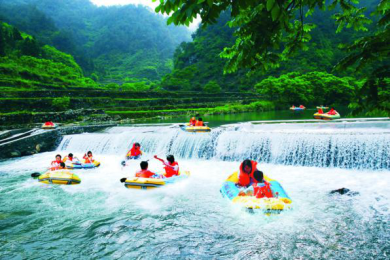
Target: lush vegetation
{"x":26,"y":64}
{"x":121,"y":44}
{"x":272,"y":35}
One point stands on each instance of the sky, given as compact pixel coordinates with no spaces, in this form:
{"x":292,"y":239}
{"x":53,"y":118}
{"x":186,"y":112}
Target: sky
{"x":148,"y":3}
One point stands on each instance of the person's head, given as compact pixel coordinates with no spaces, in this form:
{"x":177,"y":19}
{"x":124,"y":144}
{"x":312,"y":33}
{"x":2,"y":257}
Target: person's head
{"x":70,"y":155}
{"x":170,"y":158}
{"x":258,"y":176}
{"x":193,"y":118}
{"x":137,"y":145}
{"x":62,"y":165}
{"x":200,"y":119}
{"x":332,"y":108}
{"x":144,"y":165}
{"x":247,"y":166}
{"x":58,"y":157}
{"x":89,"y":153}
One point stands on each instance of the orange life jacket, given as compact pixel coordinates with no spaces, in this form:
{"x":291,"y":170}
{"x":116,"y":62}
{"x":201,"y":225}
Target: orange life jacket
{"x":144,"y":174}
{"x":88,"y":159}
{"x":245,"y":179}
{"x":135,"y":151}
{"x":262,"y":191}
{"x":169,"y":172}
{"x":199,"y":123}
{"x":193,"y":122}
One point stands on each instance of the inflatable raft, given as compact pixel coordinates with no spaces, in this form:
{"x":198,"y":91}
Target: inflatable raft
{"x":151,"y":183}
{"x":49,"y":125}
{"x":82,"y":165}
{"x":195,"y":129}
{"x":326,"y":116}
{"x":297,"y":108}
{"x":281,"y":200}
{"x":61,"y":177}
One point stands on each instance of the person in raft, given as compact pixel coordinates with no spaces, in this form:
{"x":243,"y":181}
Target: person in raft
{"x":88,"y":157}
{"x":135,"y":152}
{"x":260,"y":189}
{"x":171,"y":167}
{"x":332,"y":112}
{"x":245,"y":177}
{"x":301,"y":106}
{"x":144,"y":172}
{"x":320,"y":111}
{"x":199,"y":122}
{"x":55,"y":165}
{"x":193,"y":121}
{"x":70,"y":159}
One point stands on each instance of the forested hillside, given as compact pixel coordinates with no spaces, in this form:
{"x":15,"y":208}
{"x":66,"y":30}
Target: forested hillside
{"x":120,"y":44}
{"x":24,"y":64}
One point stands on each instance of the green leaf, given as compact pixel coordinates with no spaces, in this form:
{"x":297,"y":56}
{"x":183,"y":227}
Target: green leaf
{"x":275,"y":12}
{"x":270,"y":4}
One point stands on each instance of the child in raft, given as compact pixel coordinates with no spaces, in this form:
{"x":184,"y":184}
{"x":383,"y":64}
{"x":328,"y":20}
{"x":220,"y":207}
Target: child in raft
{"x":171,"y":167}
{"x":199,"y":122}
{"x":192,"y":121}
{"x":144,"y":172}
{"x":135,"y":152}
{"x":55,"y":165}
{"x":88,"y":157}
{"x":260,"y":189}
{"x":69,"y":158}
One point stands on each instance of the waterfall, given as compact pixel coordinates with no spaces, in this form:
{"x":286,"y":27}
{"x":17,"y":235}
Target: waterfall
{"x":349,"y":147}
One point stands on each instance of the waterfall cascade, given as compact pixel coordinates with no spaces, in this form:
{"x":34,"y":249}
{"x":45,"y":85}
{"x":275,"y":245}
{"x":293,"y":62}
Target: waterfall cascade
{"x":348,"y":145}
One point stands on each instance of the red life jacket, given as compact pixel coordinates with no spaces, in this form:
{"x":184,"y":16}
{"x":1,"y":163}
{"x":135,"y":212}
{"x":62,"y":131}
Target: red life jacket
{"x":199,"y":123}
{"x":192,"y":122}
{"x":169,"y":172}
{"x":263,"y":191}
{"x":88,"y":159}
{"x":320,"y":111}
{"x":144,"y":174}
{"x":332,"y":112}
{"x":245,"y":179}
{"x":135,"y":151}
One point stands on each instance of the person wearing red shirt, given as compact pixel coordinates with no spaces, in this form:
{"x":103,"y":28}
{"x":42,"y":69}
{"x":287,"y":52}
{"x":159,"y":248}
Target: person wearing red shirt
{"x":199,"y":122}
{"x":144,"y":172}
{"x":55,"y":165}
{"x":135,"y":152}
{"x":245,"y":177}
{"x":192,"y":121}
{"x":332,"y":112}
{"x":260,"y":189}
{"x":88,"y":157}
{"x":171,"y":167}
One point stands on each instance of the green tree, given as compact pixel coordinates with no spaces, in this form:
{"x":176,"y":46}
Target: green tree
{"x":212,"y":87}
{"x":30,"y":47}
{"x":263,"y":27}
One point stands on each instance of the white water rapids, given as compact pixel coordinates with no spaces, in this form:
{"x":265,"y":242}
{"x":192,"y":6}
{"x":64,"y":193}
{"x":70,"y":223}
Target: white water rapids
{"x":101,"y":219}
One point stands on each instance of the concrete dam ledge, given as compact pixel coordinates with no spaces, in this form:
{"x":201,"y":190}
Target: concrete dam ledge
{"x":33,"y":141}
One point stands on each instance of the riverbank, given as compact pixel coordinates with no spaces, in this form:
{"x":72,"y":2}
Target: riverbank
{"x":16,"y":143}
{"x":27,"y":108}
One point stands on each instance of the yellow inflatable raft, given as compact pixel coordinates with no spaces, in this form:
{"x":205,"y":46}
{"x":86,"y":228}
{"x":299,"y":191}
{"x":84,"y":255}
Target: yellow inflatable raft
{"x":326,"y":116}
{"x":151,"y":183}
{"x":195,"y":129}
{"x":61,"y":177}
{"x":280,"y":201}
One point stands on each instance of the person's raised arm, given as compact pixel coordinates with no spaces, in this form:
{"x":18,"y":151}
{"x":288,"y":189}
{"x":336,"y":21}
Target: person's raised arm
{"x":159,"y":159}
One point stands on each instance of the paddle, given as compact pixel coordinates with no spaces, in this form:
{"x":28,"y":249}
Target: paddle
{"x":123,"y":180}
{"x":36,"y":175}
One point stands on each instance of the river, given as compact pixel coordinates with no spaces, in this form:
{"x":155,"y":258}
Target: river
{"x":190,"y":220}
